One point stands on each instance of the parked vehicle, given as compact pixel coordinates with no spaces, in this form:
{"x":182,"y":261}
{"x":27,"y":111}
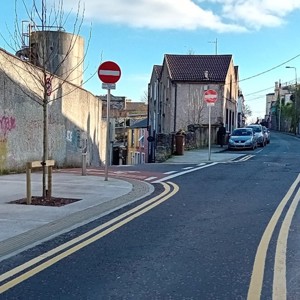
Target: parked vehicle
{"x":267,"y":133}
{"x":242,"y":138}
{"x":259,"y":133}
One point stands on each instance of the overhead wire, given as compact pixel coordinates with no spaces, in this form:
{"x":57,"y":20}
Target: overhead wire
{"x":280,"y":65}
{"x":266,"y":89}
{"x":261,"y":73}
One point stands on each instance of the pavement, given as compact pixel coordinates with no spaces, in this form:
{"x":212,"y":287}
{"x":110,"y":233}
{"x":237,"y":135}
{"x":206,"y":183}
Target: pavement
{"x":24,"y":226}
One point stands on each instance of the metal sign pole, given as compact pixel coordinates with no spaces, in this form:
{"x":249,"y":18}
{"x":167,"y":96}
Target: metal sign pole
{"x":109,"y":73}
{"x":107,"y":135}
{"x":209,"y":132}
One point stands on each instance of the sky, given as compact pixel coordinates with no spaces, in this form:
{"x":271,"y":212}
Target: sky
{"x":262,"y":36}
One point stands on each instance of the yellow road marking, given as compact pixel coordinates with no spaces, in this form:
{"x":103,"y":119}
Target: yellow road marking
{"x":279,"y":278}
{"x":257,"y":276}
{"x":85,"y":243}
{"x":81,"y":237}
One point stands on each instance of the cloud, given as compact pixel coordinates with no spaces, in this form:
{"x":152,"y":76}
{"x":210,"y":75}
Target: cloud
{"x":216,"y":15}
{"x":255,"y":14}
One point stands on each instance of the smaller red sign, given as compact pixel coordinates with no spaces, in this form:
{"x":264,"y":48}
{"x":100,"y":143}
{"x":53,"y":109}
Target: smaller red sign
{"x":109,"y":72}
{"x":210,"y":96}
{"x":48,"y":86}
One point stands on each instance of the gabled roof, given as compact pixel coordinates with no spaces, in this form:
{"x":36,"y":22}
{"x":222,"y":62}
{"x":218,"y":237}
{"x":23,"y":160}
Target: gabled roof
{"x":157,"y":70}
{"x":136,"y":107}
{"x":194,"y":67}
{"x":140,"y":124}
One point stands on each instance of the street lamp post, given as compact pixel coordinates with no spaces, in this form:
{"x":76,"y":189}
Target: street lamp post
{"x":296,"y":113}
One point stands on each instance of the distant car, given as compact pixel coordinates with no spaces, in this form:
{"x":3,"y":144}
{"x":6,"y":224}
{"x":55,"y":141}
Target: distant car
{"x":259,"y":133}
{"x":242,"y":138}
{"x":267,"y":133}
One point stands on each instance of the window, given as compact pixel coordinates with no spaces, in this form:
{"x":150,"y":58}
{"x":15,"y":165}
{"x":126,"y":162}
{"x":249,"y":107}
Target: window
{"x":132,"y":137}
{"x":141,"y":138}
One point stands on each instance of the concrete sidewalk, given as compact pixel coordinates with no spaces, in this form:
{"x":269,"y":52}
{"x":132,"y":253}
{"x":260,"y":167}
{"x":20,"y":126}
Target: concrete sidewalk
{"x":22,"y":226}
{"x":216,"y":154}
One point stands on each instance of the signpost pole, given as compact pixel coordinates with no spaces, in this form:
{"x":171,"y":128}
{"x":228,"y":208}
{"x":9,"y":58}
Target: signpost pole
{"x":210,"y":96}
{"x":107,"y":135}
{"x":209,"y":132}
{"x":109,"y":73}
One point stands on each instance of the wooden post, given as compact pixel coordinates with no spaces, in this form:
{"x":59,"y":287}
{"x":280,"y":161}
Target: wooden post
{"x":38,"y":164}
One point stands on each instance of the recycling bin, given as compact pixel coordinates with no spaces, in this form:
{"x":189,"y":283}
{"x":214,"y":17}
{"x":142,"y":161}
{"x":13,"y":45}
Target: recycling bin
{"x":179,"y":143}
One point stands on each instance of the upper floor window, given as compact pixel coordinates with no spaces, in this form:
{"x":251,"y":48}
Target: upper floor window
{"x":132,"y":137}
{"x":141,"y":138}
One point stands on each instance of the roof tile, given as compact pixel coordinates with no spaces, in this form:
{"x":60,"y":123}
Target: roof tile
{"x":194,"y":67}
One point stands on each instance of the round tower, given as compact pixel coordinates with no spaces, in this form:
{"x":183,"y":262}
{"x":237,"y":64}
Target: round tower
{"x":59,"y":52}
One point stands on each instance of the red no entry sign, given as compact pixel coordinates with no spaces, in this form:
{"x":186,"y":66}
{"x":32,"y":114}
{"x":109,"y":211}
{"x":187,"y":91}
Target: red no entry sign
{"x":109,"y":72}
{"x":210,"y":96}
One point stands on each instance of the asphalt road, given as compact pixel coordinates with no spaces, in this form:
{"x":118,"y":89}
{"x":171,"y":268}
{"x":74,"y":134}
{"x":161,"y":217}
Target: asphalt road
{"x":227,"y":231}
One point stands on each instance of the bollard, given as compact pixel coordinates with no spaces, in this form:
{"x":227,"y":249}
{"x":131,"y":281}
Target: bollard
{"x":83,"y":164}
{"x":28,"y":183}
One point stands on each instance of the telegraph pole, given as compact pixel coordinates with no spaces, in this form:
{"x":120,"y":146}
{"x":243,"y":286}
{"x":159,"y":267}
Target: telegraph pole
{"x":295,"y":105}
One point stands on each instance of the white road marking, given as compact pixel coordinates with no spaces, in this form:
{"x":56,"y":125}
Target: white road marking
{"x":150,"y":178}
{"x":245,"y":157}
{"x":184,"y":172}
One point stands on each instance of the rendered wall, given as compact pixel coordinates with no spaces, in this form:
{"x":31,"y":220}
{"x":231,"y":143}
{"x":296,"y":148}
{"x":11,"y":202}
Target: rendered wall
{"x":191,"y":107}
{"x":75,"y":113}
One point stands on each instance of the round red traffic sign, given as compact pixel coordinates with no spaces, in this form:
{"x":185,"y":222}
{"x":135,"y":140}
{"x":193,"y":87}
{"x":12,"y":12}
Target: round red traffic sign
{"x":210,"y":96}
{"x":109,"y":72}
{"x":48,"y":86}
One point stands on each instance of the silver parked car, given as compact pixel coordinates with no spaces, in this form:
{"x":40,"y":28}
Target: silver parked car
{"x":242,"y":138}
{"x":267,"y":133}
{"x":259,"y":133}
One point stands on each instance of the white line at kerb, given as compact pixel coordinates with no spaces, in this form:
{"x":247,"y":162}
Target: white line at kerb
{"x":109,"y":72}
{"x":184,"y":172}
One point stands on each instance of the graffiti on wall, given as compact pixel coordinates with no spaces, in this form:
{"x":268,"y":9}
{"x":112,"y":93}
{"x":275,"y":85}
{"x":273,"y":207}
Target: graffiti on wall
{"x":74,"y":137}
{"x":7,"y":124}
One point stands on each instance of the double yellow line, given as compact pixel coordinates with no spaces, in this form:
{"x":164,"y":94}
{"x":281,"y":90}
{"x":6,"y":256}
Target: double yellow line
{"x":279,"y":276}
{"x":66,"y":249}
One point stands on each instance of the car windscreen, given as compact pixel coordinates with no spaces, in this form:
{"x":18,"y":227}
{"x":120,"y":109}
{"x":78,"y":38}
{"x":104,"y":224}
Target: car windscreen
{"x":256,"y":129}
{"x":240,"y":132}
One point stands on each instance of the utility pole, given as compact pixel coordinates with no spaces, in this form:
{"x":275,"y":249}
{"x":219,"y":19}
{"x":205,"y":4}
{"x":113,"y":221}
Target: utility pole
{"x":295,"y":105}
{"x":279,"y":97}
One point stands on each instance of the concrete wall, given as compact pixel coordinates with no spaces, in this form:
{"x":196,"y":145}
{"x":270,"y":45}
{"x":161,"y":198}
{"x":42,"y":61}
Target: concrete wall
{"x":74,"y":115}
